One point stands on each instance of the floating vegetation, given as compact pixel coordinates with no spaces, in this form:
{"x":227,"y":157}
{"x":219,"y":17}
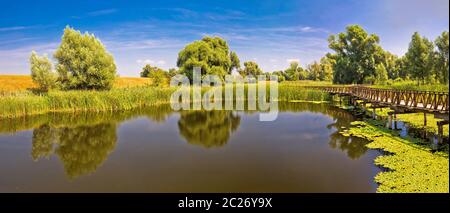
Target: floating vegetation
{"x":411,"y":167}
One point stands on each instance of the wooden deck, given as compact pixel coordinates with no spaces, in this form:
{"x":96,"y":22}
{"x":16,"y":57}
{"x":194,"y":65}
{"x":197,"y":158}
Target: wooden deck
{"x":427,"y":101}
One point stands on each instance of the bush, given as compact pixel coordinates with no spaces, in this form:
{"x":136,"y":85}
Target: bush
{"x":41,"y":72}
{"x":83,"y":62}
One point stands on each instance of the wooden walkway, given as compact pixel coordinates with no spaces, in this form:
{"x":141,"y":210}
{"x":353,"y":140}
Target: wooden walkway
{"x":433,"y":102}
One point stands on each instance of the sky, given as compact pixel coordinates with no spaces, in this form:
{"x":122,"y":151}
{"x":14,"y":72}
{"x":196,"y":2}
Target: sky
{"x":272,"y":33}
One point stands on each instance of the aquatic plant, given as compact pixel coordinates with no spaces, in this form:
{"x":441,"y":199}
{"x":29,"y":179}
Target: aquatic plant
{"x":412,"y":168}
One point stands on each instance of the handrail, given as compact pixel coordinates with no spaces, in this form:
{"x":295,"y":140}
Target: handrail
{"x":430,"y":100}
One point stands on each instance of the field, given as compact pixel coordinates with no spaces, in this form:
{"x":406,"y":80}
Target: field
{"x":10,"y":84}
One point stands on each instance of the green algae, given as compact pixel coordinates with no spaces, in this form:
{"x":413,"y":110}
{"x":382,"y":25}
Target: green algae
{"x":411,"y":167}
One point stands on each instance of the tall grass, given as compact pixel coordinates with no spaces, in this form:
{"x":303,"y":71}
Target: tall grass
{"x":412,"y":85}
{"x":72,"y":101}
{"x":121,"y":99}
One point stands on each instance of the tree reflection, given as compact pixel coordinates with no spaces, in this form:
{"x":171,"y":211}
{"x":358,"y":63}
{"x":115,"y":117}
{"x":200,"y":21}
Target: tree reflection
{"x":208,"y":128}
{"x":82,"y":149}
{"x":43,"y":140}
{"x":354,"y":147}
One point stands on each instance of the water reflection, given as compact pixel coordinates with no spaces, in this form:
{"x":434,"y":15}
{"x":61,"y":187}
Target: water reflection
{"x":81,"y":149}
{"x":208,"y":128}
{"x":83,"y":141}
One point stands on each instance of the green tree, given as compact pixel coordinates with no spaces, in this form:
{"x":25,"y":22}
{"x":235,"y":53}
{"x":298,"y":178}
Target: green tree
{"x":326,"y":73}
{"x":355,"y":54}
{"x":295,"y":72}
{"x":83,"y":62}
{"x":173,"y":72}
{"x":442,"y":65}
{"x":212,"y":55}
{"x":158,"y":75}
{"x":420,"y":58}
{"x":389,"y":62}
{"x":314,"y":71}
{"x":41,"y":72}
{"x":251,"y":68}
{"x":381,"y":74}
{"x":235,"y":62}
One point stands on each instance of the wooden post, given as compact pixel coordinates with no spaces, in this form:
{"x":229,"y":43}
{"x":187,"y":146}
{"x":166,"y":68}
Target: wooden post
{"x":424,"y":119}
{"x":390,"y":121}
{"x":440,"y":132}
{"x":395,"y":120}
{"x":374,"y":113}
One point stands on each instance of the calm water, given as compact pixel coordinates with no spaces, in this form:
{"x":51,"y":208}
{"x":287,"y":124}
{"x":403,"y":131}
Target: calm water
{"x":157,"y":150}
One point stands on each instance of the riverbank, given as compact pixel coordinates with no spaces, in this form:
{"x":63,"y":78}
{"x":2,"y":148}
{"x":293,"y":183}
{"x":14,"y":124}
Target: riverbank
{"x":12,"y":106}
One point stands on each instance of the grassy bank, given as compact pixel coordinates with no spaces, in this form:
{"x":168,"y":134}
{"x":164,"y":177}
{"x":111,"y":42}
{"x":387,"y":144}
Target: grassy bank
{"x":412,"y":168}
{"x":93,"y":101}
{"x":119,"y":99}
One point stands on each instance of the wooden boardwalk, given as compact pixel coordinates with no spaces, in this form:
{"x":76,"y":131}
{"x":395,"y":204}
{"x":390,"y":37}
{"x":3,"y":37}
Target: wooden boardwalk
{"x":422,"y":101}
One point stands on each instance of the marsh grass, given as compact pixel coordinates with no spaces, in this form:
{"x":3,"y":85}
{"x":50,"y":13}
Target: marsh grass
{"x":123,"y":99}
{"x":412,"y":85}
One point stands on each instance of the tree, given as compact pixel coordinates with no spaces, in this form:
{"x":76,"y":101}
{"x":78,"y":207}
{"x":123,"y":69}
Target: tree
{"x":326,"y":73}
{"x":419,"y":58}
{"x":235,"y":62}
{"x":251,"y":68}
{"x":355,"y":54}
{"x":41,"y":72}
{"x":295,"y":72}
{"x":210,"y":54}
{"x":442,"y":64}
{"x":389,"y":62}
{"x":173,"y":72}
{"x":158,"y":75}
{"x":381,"y":74}
{"x":314,"y":71}
{"x":83,"y":62}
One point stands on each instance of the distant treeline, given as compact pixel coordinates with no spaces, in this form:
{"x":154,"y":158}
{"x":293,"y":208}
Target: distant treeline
{"x":84,"y":63}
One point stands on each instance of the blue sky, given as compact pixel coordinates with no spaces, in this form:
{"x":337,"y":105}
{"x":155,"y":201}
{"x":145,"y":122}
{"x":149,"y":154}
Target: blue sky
{"x":272,"y":33}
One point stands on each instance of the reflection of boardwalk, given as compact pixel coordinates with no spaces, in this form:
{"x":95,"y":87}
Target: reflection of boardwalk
{"x":435,"y":102}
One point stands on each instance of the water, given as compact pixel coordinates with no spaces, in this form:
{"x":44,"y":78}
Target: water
{"x":158,"y":150}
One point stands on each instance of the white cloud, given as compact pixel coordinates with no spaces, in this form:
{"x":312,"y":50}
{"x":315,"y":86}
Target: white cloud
{"x":273,"y":60}
{"x":145,"y":61}
{"x":293,"y":60}
{"x":161,"y":62}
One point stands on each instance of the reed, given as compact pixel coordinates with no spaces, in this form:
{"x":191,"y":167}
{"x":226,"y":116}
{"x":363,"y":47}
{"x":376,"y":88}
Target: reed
{"x":122,"y":99}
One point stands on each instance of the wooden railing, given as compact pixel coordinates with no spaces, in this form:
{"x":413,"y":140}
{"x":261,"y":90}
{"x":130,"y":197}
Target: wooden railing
{"x":425,"y":100}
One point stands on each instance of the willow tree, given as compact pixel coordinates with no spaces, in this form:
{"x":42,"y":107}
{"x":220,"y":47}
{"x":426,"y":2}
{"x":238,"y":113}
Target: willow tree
{"x":355,"y":54}
{"x":83,"y":62}
{"x":212,"y":55}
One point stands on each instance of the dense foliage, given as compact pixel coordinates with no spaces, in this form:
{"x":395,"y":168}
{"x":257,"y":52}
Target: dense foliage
{"x":212,"y":55}
{"x":358,"y":58}
{"x":251,"y":68}
{"x":83,"y":62}
{"x":41,"y":72}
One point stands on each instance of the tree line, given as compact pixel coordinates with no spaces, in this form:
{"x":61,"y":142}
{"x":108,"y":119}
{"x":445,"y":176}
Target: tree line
{"x":82,"y":62}
{"x":357,"y":58}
